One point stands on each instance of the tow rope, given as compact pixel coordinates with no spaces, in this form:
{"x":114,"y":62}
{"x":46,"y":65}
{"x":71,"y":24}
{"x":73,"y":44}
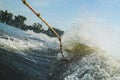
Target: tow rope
{"x":39,"y":16}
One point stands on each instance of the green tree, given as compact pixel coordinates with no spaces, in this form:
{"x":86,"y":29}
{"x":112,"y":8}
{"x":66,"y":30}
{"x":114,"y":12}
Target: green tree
{"x":9,"y":18}
{"x":19,"y":21}
{"x":37,"y":27}
{"x":3,"y":16}
{"x":6,"y":17}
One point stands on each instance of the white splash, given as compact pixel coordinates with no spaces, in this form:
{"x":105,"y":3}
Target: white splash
{"x":96,"y":66}
{"x":21,"y":40}
{"x":94,"y":34}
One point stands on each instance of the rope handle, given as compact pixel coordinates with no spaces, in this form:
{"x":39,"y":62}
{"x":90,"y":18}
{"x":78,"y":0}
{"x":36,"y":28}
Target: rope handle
{"x":38,"y":15}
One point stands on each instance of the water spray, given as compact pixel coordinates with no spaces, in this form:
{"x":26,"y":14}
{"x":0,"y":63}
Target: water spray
{"x":39,"y":16}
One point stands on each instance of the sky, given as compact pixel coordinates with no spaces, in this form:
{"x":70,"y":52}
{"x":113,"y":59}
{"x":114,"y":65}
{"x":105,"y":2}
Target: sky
{"x":65,"y":14}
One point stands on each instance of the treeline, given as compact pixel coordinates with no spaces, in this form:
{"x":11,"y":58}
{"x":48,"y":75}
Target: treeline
{"x":19,"y":22}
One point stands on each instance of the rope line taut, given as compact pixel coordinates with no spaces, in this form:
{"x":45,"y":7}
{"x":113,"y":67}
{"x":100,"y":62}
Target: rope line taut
{"x":38,"y":15}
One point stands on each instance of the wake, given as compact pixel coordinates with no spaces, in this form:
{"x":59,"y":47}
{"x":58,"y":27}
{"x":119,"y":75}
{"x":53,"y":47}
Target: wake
{"x":92,"y":61}
{"x":88,"y":60}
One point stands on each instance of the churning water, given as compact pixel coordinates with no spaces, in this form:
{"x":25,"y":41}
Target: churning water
{"x":88,"y":44}
{"x":92,"y":45}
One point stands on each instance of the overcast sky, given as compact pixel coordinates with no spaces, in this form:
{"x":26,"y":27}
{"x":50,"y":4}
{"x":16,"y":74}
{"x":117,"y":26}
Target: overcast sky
{"x":65,"y":14}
